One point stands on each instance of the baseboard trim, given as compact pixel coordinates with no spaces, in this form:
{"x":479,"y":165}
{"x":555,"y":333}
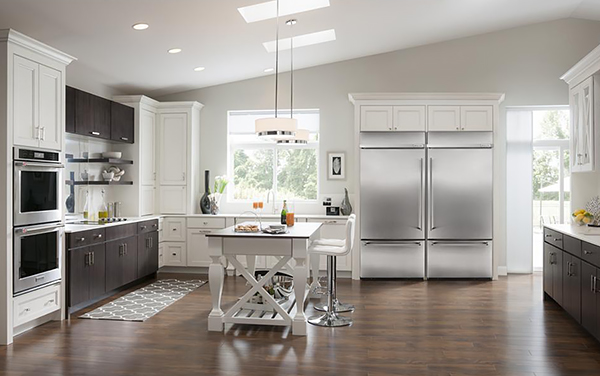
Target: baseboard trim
{"x":502,"y":271}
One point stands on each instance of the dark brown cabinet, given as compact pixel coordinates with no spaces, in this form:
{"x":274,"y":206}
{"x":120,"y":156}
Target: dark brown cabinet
{"x":147,"y":253}
{"x":553,"y":272}
{"x":572,"y":286}
{"x":105,"y":259}
{"x":121,"y":262}
{"x":94,"y":116}
{"x":121,"y":122}
{"x":590,"y":302}
{"x":86,"y":274}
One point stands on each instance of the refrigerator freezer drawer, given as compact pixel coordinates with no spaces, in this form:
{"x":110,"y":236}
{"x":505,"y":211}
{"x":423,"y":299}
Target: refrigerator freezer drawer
{"x":399,"y":259}
{"x":459,"y":259}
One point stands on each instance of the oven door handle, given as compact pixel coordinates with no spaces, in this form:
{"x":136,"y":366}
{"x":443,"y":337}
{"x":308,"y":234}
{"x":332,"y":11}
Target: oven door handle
{"x":35,"y":164}
{"x":33,"y":230}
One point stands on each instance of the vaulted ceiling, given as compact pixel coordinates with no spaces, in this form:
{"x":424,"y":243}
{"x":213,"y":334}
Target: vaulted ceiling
{"x":213,"y":34}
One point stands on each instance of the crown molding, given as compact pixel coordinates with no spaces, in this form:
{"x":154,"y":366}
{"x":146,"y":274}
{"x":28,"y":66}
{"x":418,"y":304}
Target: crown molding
{"x":584,"y":68}
{"x":186,"y":105}
{"x":12,"y":36}
{"x":141,"y":99}
{"x":357,"y":97}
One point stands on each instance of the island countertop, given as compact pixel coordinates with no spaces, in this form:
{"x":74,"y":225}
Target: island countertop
{"x":584,"y":233}
{"x":298,"y":231}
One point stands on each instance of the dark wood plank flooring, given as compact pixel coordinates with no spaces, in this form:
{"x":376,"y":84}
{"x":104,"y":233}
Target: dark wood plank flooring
{"x":400,"y":328}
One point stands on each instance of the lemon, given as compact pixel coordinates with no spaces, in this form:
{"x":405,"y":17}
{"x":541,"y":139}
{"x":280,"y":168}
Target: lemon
{"x":586,"y":220}
{"x":579,"y":217}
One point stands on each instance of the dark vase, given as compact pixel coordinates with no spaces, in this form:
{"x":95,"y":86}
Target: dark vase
{"x":345,"y":207}
{"x":204,"y":201}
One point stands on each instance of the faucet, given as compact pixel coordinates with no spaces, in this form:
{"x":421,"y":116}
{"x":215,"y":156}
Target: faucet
{"x":271,"y":193}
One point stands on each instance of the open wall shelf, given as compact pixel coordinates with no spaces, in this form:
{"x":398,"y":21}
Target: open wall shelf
{"x":100,"y":160}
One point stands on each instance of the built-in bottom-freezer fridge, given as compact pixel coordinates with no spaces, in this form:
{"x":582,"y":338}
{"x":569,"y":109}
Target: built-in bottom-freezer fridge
{"x":392,"y":176}
{"x":460,"y":195}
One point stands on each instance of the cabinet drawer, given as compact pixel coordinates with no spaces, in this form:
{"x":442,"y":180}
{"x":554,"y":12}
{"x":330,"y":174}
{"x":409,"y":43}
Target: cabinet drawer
{"x":174,"y":229}
{"x":206,"y":222}
{"x":572,"y":245}
{"x":121,"y":231}
{"x":147,"y":226}
{"x":590,"y":253}
{"x":553,"y":237}
{"x":36,"y":304}
{"x":174,"y":254}
{"x":83,"y":238}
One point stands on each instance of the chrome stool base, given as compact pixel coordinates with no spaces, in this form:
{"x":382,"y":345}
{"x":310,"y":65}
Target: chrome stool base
{"x":330,"y":320}
{"x":337,"y":307}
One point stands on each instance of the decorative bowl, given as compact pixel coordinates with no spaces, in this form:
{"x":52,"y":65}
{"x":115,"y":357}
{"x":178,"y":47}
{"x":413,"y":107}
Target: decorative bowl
{"x":112,"y":154}
{"x":108,"y":176}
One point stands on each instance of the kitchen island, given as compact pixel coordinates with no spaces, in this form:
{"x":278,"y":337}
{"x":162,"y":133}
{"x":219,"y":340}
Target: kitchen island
{"x":284,"y":247}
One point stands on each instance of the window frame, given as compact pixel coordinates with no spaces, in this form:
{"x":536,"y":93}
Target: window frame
{"x":232,"y":147}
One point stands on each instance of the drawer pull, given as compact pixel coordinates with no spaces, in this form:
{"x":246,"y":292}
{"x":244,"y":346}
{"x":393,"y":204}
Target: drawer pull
{"x":587,"y":252}
{"x":81,"y":239}
{"x":174,"y":229}
{"x":25,"y":311}
{"x":49,"y":302}
{"x":174,"y":254}
{"x":124,"y":139}
{"x":143,"y":228}
{"x":95,"y":133}
{"x":557,"y":240}
{"x":39,"y":278}
{"x":548,"y":235}
{"x":99,"y":236}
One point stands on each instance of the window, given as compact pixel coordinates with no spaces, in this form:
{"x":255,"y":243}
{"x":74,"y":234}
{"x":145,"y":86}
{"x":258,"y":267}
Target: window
{"x":258,"y":166}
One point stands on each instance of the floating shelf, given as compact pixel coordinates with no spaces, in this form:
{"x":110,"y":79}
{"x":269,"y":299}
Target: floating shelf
{"x":82,"y":182}
{"x":100,"y":160}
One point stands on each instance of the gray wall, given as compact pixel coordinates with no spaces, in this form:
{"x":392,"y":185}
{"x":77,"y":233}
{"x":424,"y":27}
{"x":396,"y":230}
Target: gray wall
{"x":525,"y":63}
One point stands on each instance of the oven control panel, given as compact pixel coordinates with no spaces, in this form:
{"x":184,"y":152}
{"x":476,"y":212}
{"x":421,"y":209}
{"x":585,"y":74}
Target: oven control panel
{"x":36,"y":155}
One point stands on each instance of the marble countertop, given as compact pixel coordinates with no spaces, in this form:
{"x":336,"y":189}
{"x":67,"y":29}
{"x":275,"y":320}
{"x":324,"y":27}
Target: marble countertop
{"x":73,"y":227}
{"x":584,"y":233}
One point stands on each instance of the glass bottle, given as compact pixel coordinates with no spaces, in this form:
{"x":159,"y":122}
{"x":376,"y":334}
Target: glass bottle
{"x":103,"y":210}
{"x":86,"y":206}
{"x":284,"y":212}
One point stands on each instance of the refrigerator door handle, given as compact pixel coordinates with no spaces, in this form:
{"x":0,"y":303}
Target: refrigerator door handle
{"x":391,"y":243}
{"x":486,"y":243}
{"x":431,"y":223}
{"x":420,"y":225}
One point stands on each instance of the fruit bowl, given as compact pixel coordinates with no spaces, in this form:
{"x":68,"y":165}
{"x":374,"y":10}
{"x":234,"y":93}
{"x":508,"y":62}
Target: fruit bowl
{"x":582,"y":217}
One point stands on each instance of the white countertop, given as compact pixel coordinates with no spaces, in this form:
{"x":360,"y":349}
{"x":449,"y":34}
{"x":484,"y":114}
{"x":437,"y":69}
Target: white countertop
{"x":297,"y":231}
{"x":71,"y":228}
{"x":584,"y":233}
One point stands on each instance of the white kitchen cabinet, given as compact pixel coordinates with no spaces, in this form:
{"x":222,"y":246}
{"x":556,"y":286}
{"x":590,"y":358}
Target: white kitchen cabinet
{"x":582,"y":126}
{"x":37,"y":104}
{"x":174,"y":229}
{"x":376,"y":118}
{"x":334,"y":229}
{"x":476,"y":118}
{"x":25,"y":102}
{"x":197,"y":245}
{"x":148,"y":199}
{"x":148,"y":147}
{"x":443,"y":118}
{"x":172,"y":199}
{"x":161,"y":257}
{"x":173,"y":149}
{"x":409,"y":118}
{"x":174,"y":253}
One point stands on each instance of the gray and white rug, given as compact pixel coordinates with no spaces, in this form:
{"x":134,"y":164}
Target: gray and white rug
{"x":146,"y":302}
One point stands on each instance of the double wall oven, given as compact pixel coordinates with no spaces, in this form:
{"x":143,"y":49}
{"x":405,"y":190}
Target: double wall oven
{"x":37,"y":218}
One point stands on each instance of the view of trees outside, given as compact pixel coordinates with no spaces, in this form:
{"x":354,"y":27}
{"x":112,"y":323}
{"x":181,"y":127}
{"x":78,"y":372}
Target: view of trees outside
{"x":295,"y":171}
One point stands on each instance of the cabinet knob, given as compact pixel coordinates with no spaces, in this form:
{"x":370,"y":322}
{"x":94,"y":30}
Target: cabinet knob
{"x":587,"y":252}
{"x":81,"y":239}
{"x":174,"y":229}
{"x":556,"y":240}
{"x":548,"y":235}
{"x":98,"y":236}
{"x":143,"y":227}
{"x":174,"y":254}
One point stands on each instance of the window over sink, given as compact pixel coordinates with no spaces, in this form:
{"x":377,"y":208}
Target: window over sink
{"x":258,"y":166}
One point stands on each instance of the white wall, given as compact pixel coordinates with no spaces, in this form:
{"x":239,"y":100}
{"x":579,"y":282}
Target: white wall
{"x":525,"y":63}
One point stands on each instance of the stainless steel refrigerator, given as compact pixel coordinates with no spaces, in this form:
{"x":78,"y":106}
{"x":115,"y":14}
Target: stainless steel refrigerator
{"x":426,"y":205}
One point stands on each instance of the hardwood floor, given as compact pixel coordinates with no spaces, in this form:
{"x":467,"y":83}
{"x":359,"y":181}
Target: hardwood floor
{"x":400,"y":328}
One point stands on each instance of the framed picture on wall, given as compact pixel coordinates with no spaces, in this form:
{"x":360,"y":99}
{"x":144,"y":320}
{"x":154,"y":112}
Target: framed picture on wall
{"x":336,"y":166}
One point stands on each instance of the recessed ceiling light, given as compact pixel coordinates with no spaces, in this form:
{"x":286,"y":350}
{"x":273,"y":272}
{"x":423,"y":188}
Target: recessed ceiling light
{"x":269,"y":70}
{"x":174,"y":50}
{"x":199,"y":69}
{"x":268,"y":10}
{"x":302,"y":40}
{"x":140,"y":26}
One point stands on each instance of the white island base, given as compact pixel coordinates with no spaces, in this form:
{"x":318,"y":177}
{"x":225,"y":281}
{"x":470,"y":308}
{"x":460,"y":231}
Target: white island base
{"x":285,"y":247}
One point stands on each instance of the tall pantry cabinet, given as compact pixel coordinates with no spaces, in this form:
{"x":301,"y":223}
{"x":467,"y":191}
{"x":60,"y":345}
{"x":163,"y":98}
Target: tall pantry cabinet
{"x":32,"y":114}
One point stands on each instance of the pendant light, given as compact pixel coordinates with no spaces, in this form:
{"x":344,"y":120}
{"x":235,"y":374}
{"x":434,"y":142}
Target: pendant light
{"x":301,"y":135}
{"x":276,"y":128}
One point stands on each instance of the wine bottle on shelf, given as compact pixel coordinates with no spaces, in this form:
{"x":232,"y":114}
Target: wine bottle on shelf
{"x":284,"y":213}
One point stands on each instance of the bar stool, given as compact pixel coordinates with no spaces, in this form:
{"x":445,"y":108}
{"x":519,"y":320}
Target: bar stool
{"x":330,"y":317}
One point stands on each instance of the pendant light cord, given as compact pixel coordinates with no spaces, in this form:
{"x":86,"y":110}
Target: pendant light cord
{"x":277,"y":60}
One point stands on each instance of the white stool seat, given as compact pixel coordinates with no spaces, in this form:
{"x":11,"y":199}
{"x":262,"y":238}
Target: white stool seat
{"x":330,"y":242}
{"x":327,"y":250}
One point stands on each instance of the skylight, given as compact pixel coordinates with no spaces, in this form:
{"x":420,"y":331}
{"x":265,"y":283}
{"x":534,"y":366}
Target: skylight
{"x":302,"y":40}
{"x":268,"y":10}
